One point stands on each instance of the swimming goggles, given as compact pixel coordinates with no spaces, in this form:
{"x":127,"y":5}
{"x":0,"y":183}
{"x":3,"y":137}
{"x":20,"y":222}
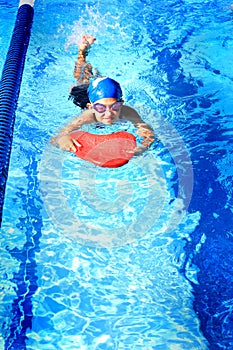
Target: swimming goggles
{"x":100,"y":108}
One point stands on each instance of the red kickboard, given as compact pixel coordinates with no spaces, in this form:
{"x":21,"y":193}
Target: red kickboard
{"x":110,"y":151}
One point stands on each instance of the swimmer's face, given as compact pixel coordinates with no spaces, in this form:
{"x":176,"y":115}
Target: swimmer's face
{"x":106,"y":110}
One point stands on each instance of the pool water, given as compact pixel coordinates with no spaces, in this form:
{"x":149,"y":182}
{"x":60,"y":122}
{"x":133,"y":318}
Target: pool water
{"x":138,"y":257}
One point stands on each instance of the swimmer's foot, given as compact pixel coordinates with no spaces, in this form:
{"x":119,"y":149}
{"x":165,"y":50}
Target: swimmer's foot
{"x":86,"y":42}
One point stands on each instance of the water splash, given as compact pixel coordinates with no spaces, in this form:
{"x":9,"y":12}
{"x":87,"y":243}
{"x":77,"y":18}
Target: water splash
{"x":92,"y":22}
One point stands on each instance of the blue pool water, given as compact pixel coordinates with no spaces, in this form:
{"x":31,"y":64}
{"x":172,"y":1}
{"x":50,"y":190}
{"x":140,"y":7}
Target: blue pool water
{"x":138,"y":257}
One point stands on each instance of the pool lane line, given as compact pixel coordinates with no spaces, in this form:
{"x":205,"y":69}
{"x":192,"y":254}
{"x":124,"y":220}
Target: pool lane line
{"x":19,"y":321}
{"x":10,"y":87}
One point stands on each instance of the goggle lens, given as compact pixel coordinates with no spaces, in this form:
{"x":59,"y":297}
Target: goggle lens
{"x":100,"y":108}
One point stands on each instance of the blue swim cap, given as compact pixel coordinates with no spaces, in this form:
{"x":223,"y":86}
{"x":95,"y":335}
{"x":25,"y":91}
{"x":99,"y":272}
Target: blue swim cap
{"x":104,"y":87}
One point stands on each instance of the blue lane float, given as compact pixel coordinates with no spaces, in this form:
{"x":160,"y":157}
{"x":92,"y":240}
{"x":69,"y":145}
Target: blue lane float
{"x":10,"y":87}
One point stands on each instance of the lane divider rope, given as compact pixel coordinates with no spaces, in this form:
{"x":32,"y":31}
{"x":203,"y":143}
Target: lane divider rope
{"x":10,"y":87}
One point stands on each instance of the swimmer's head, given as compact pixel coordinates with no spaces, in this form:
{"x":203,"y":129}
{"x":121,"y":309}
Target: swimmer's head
{"x":104,"y":87}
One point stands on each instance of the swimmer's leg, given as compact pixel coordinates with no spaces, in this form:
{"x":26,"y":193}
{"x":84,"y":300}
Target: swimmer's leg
{"x":83,"y":70}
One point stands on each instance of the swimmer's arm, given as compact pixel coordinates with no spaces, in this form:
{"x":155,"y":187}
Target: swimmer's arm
{"x":144,"y":130}
{"x":63,"y":140}
{"x":85,"y":118}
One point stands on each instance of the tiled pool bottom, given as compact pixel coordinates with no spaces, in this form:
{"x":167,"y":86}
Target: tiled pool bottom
{"x":133,"y":297}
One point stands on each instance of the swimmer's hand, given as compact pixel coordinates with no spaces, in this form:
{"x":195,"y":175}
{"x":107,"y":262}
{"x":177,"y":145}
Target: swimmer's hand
{"x":147,"y":134}
{"x":138,"y":150}
{"x":66,"y":143}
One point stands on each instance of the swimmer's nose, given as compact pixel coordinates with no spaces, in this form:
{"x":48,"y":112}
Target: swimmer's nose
{"x":108,"y":113}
